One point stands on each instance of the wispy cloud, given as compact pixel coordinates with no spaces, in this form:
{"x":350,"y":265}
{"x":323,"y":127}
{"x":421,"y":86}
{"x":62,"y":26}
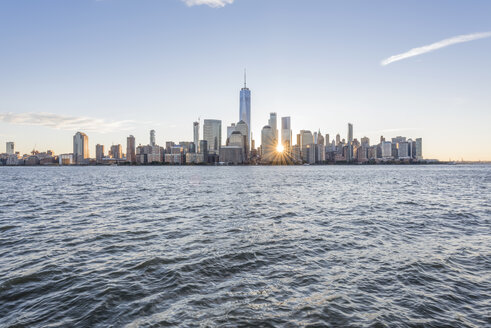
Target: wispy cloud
{"x":434,"y":46}
{"x":63,"y":122}
{"x":211,"y":3}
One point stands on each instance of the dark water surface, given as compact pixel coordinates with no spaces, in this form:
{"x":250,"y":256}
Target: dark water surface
{"x":378,"y":246}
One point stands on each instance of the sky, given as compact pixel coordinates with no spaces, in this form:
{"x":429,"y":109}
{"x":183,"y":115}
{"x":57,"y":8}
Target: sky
{"x":111,"y":68}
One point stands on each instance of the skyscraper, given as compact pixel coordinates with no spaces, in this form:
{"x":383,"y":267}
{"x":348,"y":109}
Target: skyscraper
{"x":350,"y":133}
{"x":212,"y":133}
{"x":286,"y":133}
{"x":244,"y":130}
{"x":117,"y":151}
{"x":10,"y":148}
{"x":80,"y":147}
{"x":273,"y":123}
{"x":245,"y":107}
{"x":307,"y":142}
{"x":419,"y":148}
{"x":267,"y":144}
{"x":99,"y":153}
{"x":230,"y":129}
{"x":130,"y":149}
{"x":196,"y":136}
{"x":306,"y":138}
{"x":152,"y":138}
{"x":320,"y":138}
{"x":350,"y":142}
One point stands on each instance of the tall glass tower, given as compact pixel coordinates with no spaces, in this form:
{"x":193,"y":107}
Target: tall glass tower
{"x":212,"y":133}
{"x":196,"y":136}
{"x":245,"y":108}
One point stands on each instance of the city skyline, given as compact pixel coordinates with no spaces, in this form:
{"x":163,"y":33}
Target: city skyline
{"x":212,"y":130}
{"x":105,"y":77}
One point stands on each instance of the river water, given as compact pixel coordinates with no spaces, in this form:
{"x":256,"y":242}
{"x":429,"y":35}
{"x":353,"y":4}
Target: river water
{"x":391,"y":246}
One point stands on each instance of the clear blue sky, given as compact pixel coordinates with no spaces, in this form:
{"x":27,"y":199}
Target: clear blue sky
{"x":129,"y":66}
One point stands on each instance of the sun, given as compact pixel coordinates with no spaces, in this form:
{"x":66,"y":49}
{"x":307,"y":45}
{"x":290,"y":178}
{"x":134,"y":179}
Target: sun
{"x":279,"y":148}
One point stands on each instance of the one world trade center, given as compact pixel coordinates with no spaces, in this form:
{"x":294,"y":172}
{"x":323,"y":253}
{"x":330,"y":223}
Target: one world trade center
{"x":245,"y":108}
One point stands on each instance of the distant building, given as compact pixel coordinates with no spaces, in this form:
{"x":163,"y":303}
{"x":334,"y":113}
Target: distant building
{"x":191,"y":158}
{"x":186,"y":146}
{"x":212,"y":133}
{"x":80,"y":148}
{"x":149,"y":154}
{"x":245,"y":108}
{"x":361,"y":153}
{"x":273,"y":123}
{"x":168,"y":146}
{"x":130,"y":149}
{"x":350,"y":133}
{"x":306,"y":139}
{"x":365,"y":141}
{"x":350,"y":142}
{"x":398,"y":139}
{"x":403,"y":150}
{"x":297,"y":154}
{"x":244,"y":130}
{"x":286,"y":134}
{"x":203,"y":151}
{"x":320,"y":138}
{"x":66,"y":159}
{"x":237,"y":139}
{"x":308,"y":153}
{"x":232,"y":154}
{"x":386,"y":147}
{"x":372,"y":152}
{"x":196,"y":136}
{"x":419,"y":148}
{"x":395,"y":153}
{"x":117,"y":151}
{"x":176,"y":156}
{"x":152,"y":138}
{"x":31,"y":160}
{"x":230,"y":129}
{"x":99,"y":153}
{"x":267,"y":144}
{"x":320,"y":151}
{"x":10,"y":148}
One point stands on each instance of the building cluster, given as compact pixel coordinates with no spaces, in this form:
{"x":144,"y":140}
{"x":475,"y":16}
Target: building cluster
{"x":277,"y":147}
{"x":12,"y":158}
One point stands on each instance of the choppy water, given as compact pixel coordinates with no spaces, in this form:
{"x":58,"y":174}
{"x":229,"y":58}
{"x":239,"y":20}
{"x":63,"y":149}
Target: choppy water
{"x":245,"y":246}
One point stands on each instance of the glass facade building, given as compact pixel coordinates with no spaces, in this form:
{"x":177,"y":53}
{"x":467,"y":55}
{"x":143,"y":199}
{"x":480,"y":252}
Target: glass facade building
{"x":212,"y":133}
{"x":245,"y":109}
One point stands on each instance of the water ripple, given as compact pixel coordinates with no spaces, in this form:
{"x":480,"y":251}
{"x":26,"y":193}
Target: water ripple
{"x":391,"y":246}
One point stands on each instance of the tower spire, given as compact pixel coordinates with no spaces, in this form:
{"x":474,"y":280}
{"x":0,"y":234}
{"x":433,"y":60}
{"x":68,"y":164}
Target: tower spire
{"x":245,"y":78}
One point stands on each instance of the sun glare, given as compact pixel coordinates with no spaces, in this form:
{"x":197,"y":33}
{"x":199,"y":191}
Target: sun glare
{"x":279,"y":148}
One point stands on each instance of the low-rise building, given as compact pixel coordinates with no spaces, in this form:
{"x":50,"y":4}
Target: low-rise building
{"x":232,"y":154}
{"x":66,"y":159}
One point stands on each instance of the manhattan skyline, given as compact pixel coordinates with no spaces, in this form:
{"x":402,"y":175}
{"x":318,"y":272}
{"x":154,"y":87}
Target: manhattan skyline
{"x":110,"y":72}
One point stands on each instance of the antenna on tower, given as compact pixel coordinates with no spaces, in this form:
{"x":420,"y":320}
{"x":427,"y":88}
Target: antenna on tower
{"x":245,"y":78}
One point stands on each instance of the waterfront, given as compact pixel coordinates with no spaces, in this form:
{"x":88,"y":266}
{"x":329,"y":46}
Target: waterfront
{"x":253,"y":246}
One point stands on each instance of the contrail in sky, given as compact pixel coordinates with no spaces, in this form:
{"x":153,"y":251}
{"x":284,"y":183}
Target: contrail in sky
{"x":434,"y":46}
